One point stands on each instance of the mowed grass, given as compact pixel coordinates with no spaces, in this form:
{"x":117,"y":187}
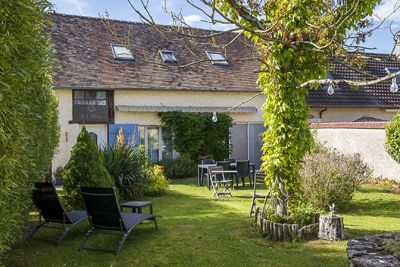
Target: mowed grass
{"x":196,"y":230}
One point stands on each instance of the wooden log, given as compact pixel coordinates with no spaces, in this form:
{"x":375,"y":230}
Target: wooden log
{"x":271,"y":229}
{"x":285,"y":232}
{"x":266,"y":226}
{"x":331,"y":227}
{"x":275,"y":233}
{"x":294,"y":231}
{"x":260,"y":222}
{"x":280,"y":234}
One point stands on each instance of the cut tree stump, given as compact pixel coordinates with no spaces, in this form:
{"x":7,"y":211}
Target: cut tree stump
{"x":331,"y":227}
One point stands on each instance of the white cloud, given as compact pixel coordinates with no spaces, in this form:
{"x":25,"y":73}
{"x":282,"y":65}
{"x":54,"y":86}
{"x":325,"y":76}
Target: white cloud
{"x":77,"y":7}
{"x":386,"y":8}
{"x":192,"y":19}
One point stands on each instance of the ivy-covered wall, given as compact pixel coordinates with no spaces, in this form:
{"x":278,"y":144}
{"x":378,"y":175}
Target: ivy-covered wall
{"x":28,"y":110}
{"x":196,"y":135}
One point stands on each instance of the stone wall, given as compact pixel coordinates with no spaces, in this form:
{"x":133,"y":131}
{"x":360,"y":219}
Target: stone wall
{"x":370,"y":143}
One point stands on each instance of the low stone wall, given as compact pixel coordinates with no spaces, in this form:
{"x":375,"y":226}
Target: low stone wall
{"x":283,"y":231}
{"x":368,"y":251}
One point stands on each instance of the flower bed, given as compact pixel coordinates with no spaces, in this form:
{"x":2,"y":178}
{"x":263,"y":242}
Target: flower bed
{"x":283,"y":231}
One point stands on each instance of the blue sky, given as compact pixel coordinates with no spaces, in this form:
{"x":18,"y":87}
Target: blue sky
{"x":382,"y":39}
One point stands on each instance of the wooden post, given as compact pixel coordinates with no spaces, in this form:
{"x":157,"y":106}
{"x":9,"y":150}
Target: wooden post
{"x":331,"y":227}
{"x":286,"y":232}
{"x":266,"y":227}
{"x":294,"y":231}
{"x":275,"y":233}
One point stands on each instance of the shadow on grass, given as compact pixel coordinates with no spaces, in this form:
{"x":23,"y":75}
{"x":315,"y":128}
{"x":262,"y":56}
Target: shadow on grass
{"x":375,"y":207}
{"x":195,"y":231}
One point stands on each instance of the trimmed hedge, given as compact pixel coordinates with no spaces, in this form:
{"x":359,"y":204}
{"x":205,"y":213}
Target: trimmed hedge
{"x":29,"y":131}
{"x":393,"y":138}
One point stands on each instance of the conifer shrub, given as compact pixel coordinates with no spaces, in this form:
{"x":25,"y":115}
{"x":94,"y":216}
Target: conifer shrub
{"x":29,"y":131}
{"x":84,"y":168}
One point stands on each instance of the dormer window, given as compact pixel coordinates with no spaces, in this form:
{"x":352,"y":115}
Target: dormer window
{"x":168,"y":56}
{"x":217,"y":58}
{"x":121,"y":52}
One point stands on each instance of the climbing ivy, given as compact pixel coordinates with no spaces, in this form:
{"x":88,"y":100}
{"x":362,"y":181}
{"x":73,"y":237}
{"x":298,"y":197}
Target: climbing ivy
{"x":196,"y":135}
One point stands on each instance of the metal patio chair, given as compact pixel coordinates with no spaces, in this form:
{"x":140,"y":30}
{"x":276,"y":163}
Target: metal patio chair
{"x":104,"y":215}
{"x":51,"y":210}
{"x":217,"y":180}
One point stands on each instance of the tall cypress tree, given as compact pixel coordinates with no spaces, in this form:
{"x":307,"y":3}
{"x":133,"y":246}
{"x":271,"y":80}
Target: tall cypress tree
{"x":29,"y":131}
{"x":84,"y":168}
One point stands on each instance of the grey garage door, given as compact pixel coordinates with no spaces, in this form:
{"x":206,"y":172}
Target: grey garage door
{"x":246,"y":141}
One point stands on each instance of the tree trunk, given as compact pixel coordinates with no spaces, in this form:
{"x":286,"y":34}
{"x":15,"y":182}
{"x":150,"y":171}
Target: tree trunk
{"x":281,"y":205}
{"x":331,"y":227}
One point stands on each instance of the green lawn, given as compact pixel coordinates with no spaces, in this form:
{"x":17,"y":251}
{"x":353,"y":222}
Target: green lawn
{"x":196,"y":230}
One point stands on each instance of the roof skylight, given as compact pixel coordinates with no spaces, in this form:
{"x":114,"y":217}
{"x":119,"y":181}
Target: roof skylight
{"x":217,"y":58}
{"x":168,"y":56}
{"x":121,"y":52}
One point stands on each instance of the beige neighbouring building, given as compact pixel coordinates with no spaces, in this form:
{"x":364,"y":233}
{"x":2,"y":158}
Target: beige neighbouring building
{"x":104,"y":86}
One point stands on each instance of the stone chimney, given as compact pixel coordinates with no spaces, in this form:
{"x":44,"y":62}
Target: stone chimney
{"x":396,"y":48}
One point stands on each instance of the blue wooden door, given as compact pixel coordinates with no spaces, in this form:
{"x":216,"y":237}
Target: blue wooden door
{"x":131,"y":133}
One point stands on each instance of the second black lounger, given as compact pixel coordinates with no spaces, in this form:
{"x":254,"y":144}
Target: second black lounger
{"x":104,"y":214}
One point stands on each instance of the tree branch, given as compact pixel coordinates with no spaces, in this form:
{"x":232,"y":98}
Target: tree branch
{"x":350,"y":82}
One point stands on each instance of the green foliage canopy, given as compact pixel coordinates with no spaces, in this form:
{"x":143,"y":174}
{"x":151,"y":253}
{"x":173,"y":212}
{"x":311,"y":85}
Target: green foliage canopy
{"x":84,"y":168}
{"x":196,"y":135}
{"x":29,"y":131}
{"x":295,"y":39}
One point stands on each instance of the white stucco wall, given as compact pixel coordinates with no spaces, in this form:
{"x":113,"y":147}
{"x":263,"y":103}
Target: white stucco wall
{"x":69,"y":132}
{"x":351,"y":114}
{"x":369,"y":143}
{"x":183,"y":99}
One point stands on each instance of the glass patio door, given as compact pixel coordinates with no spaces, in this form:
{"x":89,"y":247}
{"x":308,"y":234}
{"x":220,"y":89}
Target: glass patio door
{"x":153,"y":144}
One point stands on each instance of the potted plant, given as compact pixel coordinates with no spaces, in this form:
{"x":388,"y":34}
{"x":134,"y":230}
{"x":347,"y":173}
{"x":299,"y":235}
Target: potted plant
{"x":58,"y":176}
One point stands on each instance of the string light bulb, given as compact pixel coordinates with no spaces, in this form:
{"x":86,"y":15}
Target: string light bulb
{"x":394,"y":87}
{"x":330,"y":90}
{"x":214,"y":117}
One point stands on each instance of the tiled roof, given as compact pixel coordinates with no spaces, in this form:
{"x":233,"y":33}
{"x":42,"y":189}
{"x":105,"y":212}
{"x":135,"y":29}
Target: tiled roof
{"x":85,"y":60}
{"x":377,"y":95}
{"x":349,"y":125}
